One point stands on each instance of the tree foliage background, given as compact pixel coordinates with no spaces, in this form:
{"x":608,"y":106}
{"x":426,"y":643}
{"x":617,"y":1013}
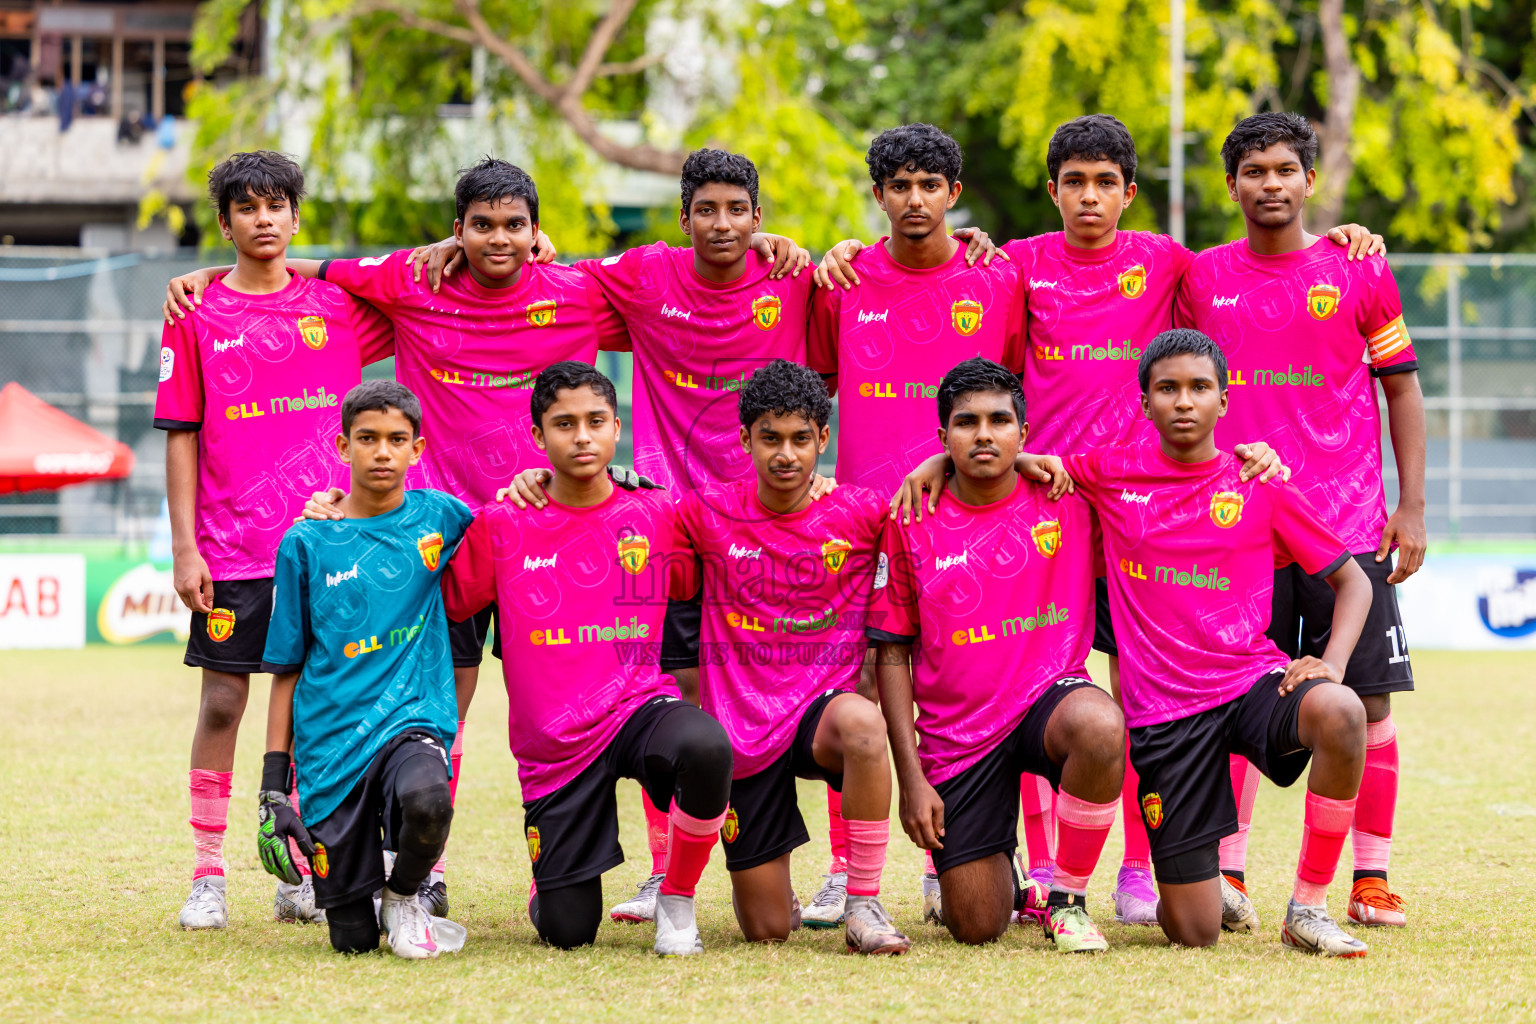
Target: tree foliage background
{"x":1429,"y":105}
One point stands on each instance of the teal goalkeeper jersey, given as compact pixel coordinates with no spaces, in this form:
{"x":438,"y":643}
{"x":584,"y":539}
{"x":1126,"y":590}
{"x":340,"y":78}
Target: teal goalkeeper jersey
{"x":358,"y":613}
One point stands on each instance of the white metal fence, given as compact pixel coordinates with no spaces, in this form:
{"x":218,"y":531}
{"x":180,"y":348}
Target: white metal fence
{"x":83,"y":334}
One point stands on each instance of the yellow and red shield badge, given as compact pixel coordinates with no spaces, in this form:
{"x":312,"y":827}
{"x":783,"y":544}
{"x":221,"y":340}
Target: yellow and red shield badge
{"x":1133,"y":283}
{"x":765,"y":311}
{"x":542,"y":314}
{"x":634,"y":552}
{"x":1152,"y":809}
{"x":321,"y":861}
{"x":533,"y":843}
{"x":966,"y":316}
{"x":1047,"y":537}
{"x":1226,"y":508}
{"x":732,"y":827}
{"x":1322,"y":301}
{"x":430,"y":546}
{"x":312,"y":330}
{"x":834,"y":553}
{"x":221,"y":625}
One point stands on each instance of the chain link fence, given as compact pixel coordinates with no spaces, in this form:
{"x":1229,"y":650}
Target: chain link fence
{"x":84,"y":334}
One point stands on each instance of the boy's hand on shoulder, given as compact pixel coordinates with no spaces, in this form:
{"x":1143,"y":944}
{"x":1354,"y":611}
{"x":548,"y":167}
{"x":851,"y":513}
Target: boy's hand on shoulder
{"x":324,"y":505}
{"x":821,"y":486}
{"x":1047,"y":469}
{"x":978,"y":246}
{"x":1302,"y":669}
{"x":186,"y":292}
{"x":440,"y":258}
{"x":527,"y":488}
{"x":1262,"y":461}
{"x":927,"y":477}
{"x":836,"y":267}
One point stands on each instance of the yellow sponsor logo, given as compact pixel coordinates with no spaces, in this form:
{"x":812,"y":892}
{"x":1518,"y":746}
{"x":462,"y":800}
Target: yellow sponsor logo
{"x":966,"y":315}
{"x":312,"y":330}
{"x":834,"y":553}
{"x":533,"y":843}
{"x":1152,"y":809}
{"x":321,"y":861}
{"x":430,"y":548}
{"x":732,"y":827}
{"x":1322,"y":301}
{"x":765,"y":311}
{"x":1226,"y":508}
{"x":1047,"y":537}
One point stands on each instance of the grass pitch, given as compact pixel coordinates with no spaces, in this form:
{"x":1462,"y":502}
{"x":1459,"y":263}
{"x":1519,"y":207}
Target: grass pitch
{"x":93,"y":758}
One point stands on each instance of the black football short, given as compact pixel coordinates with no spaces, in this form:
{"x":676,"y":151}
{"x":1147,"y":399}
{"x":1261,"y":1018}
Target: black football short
{"x":764,"y":822}
{"x":1103,"y":625}
{"x":573,"y":833}
{"x":1186,"y":793}
{"x":981,"y":804}
{"x":467,"y":638}
{"x":232,"y":637}
{"x":1302,"y":621}
{"x":680,"y":634}
{"x":356,"y":834}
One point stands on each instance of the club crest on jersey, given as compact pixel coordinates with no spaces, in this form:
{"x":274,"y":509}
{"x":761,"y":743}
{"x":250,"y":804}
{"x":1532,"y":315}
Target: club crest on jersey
{"x":221,"y":625}
{"x":320,"y":863}
{"x":966,"y":316}
{"x":533,"y":843}
{"x":634,"y":552}
{"x":312,"y":330}
{"x":834,"y":553}
{"x":1322,"y":301}
{"x":1047,"y":537}
{"x":765,"y":311}
{"x":430,"y":547}
{"x":1152,"y":809}
{"x":732,"y":827}
{"x":542,"y":314}
{"x":1133,"y":283}
{"x":1226,"y":508}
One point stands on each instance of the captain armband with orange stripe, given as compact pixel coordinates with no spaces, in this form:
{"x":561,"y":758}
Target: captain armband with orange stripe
{"x":1389,"y":348}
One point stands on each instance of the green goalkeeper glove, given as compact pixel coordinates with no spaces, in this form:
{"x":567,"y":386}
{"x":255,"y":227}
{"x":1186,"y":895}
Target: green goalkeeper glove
{"x":277,"y":821}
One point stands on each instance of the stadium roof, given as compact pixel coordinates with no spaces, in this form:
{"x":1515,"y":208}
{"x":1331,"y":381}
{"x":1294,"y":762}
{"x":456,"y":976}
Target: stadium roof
{"x":44,"y":448}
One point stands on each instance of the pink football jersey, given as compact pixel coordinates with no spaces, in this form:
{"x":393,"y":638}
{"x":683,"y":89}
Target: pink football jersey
{"x":890,"y":341}
{"x":1090,"y":313}
{"x":580,"y":596}
{"x":999,"y":601}
{"x":1304,"y":334}
{"x":470,"y":355}
{"x":785,"y":605}
{"x":261,"y":379}
{"x":1191,"y":553}
{"x":695,"y":344}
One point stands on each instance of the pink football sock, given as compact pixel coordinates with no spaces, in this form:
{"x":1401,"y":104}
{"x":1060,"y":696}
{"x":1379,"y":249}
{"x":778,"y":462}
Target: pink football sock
{"x":866,"y":855}
{"x":837,"y":833}
{"x":688,"y":848}
{"x":1322,"y":840}
{"x":1081,"y":828}
{"x":455,"y":758}
{"x":1138,"y":849}
{"x":1245,"y":787}
{"x":656,"y":826}
{"x":928,"y":868}
{"x":210,"y":817}
{"x":1371,"y":837}
{"x":1037,"y":802}
{"x":299,"y":860}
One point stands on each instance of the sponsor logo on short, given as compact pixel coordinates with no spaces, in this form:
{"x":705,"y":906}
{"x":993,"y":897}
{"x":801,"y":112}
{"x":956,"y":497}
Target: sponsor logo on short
{"x":533,"y":843}
{"x":221,"y":625}
{"x":1219,"y":301}
{"x":675,"y":313}
{"x":229,"y":343}
{"x":869,"y":317}
{"x":732,"y":827}
{"x":1152,"y":809}
{"x":321,"y":861}
{"x":167,"y":363}
{"x":535,"y":562}
{"x":1133,"y":498}
{"x":737,"y":551}
{"x":949,"y":560}
{"x":334,"y":579}
{"x":1506,"y":600}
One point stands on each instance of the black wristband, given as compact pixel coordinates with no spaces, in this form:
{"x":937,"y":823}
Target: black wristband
{"x":275,"y":767}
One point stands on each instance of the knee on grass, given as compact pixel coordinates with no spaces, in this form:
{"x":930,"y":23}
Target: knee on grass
{"x":426,"y":811}
{"x":354,"y":929}
{"x":568,"y":917}
{"x":978,"y":899}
